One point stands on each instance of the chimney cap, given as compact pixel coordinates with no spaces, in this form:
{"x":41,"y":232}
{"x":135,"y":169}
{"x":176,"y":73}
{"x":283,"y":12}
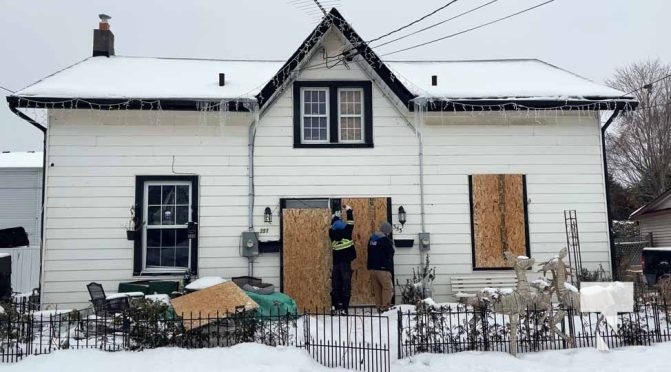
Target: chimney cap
{"x":104,"y":17}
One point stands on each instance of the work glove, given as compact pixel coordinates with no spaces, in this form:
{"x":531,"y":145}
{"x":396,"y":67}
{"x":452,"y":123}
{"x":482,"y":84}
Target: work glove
{"x":348,"y":208}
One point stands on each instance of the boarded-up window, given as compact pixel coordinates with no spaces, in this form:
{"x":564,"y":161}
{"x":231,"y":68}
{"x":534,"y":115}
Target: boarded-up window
{"x":498,"y":219}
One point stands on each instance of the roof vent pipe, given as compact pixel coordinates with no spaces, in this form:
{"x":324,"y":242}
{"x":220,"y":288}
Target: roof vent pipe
{"x":222,"y":79}
{"x":434,"y":80}
{"x":103,"y":38}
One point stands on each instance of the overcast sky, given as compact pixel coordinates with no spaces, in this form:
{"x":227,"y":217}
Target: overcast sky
{"x":589,"y":37}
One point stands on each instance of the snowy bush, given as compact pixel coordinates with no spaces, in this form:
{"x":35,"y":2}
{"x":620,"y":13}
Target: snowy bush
{"x":420,"y":286}
{"x":633,"y":332}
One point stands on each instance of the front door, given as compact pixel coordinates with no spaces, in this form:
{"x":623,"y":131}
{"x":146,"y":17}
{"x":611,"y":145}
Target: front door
{"x":167,"y":208}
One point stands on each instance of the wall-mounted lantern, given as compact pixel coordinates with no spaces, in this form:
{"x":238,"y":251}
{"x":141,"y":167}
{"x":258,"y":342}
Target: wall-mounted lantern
{"x":268,"y":215}
{"x":401,"y":219}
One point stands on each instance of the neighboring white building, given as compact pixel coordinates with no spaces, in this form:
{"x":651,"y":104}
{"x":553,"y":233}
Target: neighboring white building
{"x":21,"y":206}
{"x":483,"y":155}
{"x":654,"y":219}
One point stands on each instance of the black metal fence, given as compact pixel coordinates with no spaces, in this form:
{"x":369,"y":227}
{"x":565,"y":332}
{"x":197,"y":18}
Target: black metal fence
{"x":455,"y":329}
{"x":358,"y":341}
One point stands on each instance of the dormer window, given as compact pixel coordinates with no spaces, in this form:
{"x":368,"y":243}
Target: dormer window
{"x":333,"y":114}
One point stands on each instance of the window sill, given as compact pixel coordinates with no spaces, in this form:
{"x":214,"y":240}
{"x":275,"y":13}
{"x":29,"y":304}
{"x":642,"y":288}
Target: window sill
{"x":332,"y":145}
{"x":160,"y":273}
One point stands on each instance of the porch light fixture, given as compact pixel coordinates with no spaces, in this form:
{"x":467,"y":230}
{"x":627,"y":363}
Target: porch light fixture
{"x":401,"y":215}
{"x":268,"y":215}
{"x":401,"y":219}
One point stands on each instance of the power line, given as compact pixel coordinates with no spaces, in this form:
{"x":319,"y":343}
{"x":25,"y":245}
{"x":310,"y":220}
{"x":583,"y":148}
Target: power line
{"x":413,"y":22}
{"x":9,"y":90}
{"x":648,"y":85}
{"x":435,"y":24}
{"x":470,"y":29}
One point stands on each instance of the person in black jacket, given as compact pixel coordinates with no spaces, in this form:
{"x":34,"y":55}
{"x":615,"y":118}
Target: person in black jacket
{"x":344,"y":253}
{"x":381,"y":266}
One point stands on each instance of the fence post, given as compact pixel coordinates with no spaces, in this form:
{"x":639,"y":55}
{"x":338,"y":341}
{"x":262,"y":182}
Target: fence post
{"x":484,"y":317}
{"x":399,"y":329}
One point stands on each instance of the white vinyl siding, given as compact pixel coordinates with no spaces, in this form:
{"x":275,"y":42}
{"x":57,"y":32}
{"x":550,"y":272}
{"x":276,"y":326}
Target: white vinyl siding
{"x":21,"y":205}
{"x":660,"y":227}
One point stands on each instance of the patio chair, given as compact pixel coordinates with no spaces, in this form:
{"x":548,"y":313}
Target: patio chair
{"x":103,"y":304}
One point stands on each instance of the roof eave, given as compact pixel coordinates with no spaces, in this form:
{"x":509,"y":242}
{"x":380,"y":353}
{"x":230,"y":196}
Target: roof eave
{"x":649,"y":207}
{"x":169,"y":104}
{"x":527,"y":104}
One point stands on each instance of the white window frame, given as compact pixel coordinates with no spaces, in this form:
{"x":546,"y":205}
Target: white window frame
{"x":326,"y":115}
{"x":145,"y":226}
{"x":360,"y":116}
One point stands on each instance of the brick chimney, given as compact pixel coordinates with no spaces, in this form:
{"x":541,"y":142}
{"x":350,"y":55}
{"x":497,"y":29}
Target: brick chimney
{"x":103,"y":38}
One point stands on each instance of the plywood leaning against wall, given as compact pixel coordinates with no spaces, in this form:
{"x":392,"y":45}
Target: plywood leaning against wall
{"x":306,"y":257}
{"x":217,"y":301}
{"x":498,"y":218}
{"x":369,"y":214}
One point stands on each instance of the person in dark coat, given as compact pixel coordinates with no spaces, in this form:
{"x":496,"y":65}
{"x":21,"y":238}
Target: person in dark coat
{"x":381,"y":266}
{"x":344,"y":253}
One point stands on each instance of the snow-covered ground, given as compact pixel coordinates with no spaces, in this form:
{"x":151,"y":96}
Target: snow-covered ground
{"x":259,"y":358}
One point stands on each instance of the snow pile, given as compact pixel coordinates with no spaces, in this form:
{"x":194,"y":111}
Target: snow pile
{"x":204,"y":282}
{"x":160,"y":298}
{"x":243,"y":358}
{"x":639,"y":359}
{"x":540,"y":283}
{"x":571,"y":288}
{"x":259,"y":358}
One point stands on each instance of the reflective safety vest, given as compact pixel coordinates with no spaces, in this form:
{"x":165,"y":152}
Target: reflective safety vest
{"x":338,"y":245}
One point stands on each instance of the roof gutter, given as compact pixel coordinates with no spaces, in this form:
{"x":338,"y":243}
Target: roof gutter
{"x":168,"y":104}
{"x":13,"y":108}
{"x":609,"y":213}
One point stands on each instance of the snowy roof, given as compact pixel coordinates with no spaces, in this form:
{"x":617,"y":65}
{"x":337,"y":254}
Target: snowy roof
{"x":497,"y":79}
{"x":148,"y":78}
{"x":118,"y":77}
{"x":660,"y":203}
{"x":21,"y":160}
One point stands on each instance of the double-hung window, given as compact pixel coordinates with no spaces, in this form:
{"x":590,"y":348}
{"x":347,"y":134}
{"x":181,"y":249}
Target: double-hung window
{"x":314,"y":115}
{"x":166,"y":206}
{"x":333,"y":114}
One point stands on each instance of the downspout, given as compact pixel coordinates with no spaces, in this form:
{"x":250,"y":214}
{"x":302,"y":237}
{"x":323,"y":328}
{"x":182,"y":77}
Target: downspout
{"x":250,"y":173}
{"x":607,"y":187}
{"x":13,"y":108}
{"x":419,"y":104}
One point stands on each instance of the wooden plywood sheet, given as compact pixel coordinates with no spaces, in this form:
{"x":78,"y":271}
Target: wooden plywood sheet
{"x":369,"y":214}
{"x":306,"y":257}
{"x":498,"y":218}
{"x":212,"y":302}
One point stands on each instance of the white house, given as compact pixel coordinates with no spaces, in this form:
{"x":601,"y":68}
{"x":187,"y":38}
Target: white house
{"x":654,"y":220}
{"x":483,"y":156}
{"x":21,"y":206}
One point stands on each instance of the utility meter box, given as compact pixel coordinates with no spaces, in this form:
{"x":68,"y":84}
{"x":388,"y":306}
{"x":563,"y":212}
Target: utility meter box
{"x":249,"y":244}
{"x":424,"y":241}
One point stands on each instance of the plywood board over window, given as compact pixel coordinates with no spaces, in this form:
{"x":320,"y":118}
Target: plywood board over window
{"x":498,"y":219}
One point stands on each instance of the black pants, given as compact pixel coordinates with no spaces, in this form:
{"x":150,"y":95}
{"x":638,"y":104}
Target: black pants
{"x":341,"y":285}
